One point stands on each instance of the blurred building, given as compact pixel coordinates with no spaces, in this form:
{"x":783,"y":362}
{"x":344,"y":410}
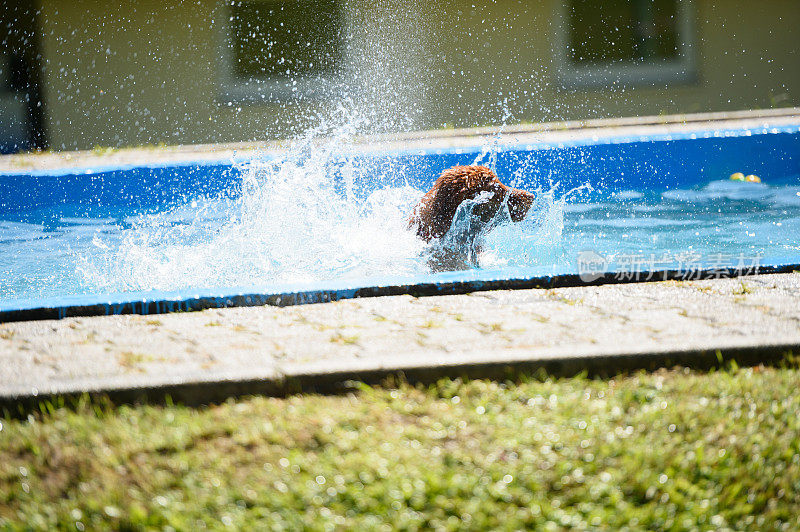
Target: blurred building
{"x":80,"y":73}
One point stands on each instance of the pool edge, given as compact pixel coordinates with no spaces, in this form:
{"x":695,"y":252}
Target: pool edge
{"x":423,"y":289}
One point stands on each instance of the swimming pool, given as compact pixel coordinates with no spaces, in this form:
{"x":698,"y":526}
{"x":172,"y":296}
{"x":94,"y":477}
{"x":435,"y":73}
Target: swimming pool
{"x":325,"y":220}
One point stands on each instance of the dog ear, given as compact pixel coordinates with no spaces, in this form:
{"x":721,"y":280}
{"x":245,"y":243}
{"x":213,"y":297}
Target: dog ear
{"x":429,"y":217}
{"x":434,"y":213}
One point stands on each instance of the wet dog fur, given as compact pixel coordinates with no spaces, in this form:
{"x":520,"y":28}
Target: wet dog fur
{"x":433,"y":215}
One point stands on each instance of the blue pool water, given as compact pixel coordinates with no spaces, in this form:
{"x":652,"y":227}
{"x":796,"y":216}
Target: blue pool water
{"x":317,"y":218}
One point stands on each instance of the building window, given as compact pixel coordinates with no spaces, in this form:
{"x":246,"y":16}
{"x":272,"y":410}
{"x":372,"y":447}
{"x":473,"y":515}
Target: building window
{"x":624,"y":41}
{"x":280,"y":49}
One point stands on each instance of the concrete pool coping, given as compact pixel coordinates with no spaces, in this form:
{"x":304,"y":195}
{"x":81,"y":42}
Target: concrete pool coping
{"x":207,"y":356}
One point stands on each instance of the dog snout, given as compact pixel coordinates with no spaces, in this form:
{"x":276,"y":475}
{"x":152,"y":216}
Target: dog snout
{"x":519,"y":203}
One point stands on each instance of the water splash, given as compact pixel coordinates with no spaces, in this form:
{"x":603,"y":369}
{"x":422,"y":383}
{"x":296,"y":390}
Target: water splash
{"x":314,"y":213}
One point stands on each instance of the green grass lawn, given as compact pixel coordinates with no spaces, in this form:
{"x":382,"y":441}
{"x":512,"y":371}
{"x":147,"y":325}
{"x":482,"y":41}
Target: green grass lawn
{"x":671,"y":450}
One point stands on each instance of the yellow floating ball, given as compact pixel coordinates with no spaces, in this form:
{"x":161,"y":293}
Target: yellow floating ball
{"x":752,"y":179}
{"x":738,"y":176}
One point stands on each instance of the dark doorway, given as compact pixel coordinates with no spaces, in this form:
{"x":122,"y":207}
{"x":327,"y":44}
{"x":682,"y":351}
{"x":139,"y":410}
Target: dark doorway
{"x":21,"y":105}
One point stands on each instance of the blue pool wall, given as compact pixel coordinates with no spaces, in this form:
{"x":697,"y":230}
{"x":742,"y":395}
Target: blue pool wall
{"x":607,"y":163}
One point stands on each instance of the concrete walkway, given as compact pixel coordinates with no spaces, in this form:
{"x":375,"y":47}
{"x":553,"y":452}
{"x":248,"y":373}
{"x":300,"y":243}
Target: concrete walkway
{"x":204,"y":356}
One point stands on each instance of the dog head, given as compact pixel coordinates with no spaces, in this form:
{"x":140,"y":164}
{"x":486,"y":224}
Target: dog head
{"x":434,"y":214}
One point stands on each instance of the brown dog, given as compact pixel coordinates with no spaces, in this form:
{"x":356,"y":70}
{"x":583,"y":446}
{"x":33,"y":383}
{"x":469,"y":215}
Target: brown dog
{"x":433,"y":215}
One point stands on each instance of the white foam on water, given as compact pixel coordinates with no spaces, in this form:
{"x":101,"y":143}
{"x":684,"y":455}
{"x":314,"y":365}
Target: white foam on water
{"x":624,"y":195}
